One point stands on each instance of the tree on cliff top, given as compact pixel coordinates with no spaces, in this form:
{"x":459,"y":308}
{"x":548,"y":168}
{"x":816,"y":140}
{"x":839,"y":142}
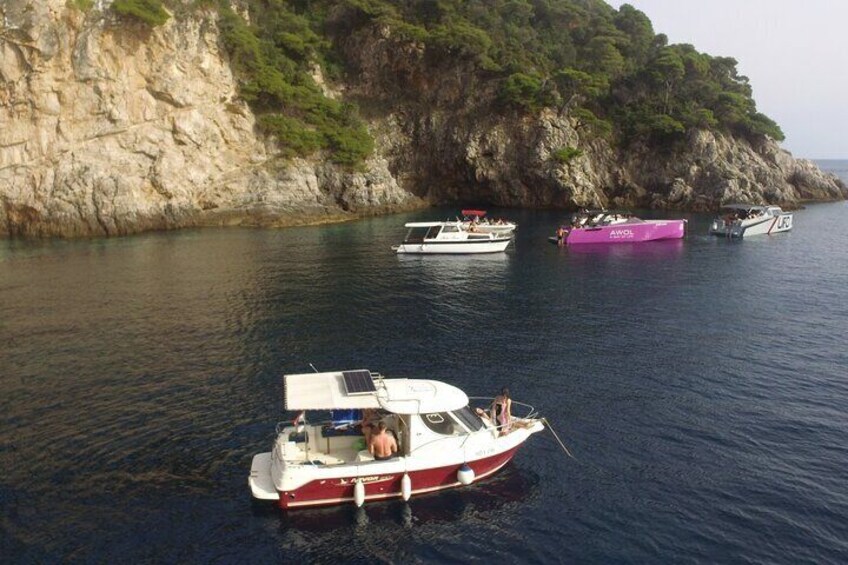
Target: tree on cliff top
{"x":604,"y":66}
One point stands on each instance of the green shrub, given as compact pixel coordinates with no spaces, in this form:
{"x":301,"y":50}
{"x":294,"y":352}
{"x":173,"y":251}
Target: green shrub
{"x":81,"y":5}
{"x":587,"y":118}
{"x":293,"y":136}
{"x":150,"y":12}
{"x":522,"y":90}
{"x":662,"y":126}
{"x":566,"y":154}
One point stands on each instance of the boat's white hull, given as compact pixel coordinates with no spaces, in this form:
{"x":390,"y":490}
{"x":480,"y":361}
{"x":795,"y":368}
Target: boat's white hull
{"x":307,"y":485}
{"x":759,"y":226}
{"x":495,"y":245}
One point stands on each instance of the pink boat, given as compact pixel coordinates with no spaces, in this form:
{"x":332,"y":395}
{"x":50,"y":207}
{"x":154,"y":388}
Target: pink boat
{"x":605,"y":226}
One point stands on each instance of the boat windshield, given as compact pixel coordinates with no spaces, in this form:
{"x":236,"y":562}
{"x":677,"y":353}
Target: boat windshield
{"x":471,"y":420}
{"x":441,"y":423}
{"x":416,"y":235}
{"x":433,"y":232}
{"x":742,"y":213}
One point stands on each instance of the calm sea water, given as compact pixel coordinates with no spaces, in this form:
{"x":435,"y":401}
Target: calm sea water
{"x":701,"y":384}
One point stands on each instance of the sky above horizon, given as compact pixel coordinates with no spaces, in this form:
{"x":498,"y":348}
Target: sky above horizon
{"x":792,"y":52}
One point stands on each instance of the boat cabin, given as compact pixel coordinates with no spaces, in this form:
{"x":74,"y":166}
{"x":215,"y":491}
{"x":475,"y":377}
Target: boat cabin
{"x":420,"y":413}
{"x":749,"y":211}
{"x":419,"y":232}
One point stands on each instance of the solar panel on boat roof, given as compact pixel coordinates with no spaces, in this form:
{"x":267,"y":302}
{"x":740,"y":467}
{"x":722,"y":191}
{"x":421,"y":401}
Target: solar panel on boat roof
{"x":358,"y":382}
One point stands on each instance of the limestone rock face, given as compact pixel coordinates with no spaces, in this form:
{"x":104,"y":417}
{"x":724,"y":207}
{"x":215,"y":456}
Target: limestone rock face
{"x":108,"y":129}
{"x":710,"y":169}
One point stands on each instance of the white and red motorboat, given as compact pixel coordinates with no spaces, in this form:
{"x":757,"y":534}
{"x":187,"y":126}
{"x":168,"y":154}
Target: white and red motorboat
{"x":442,"y":441}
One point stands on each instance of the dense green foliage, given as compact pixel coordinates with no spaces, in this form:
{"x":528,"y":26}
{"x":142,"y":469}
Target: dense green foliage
{"x":605,"y":68}
{"x":150,"y":12}
{"x":272,"y":60}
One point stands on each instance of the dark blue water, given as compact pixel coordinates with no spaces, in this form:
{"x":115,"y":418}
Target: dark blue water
{"x":701,"y":385}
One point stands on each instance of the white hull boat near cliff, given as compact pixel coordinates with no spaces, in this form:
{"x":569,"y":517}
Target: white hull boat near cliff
{"x":450,"y":238}
{"x":442,"y":442}
{"x":743,"y":220}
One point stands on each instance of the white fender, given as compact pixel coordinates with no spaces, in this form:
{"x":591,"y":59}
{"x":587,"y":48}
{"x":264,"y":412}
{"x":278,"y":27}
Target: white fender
{"x":406,"y":486}
{"x":465,"y":475}
{"x":359,"y":493}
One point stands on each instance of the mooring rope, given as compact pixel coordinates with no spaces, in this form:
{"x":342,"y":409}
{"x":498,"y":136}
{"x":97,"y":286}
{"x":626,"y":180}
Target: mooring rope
{"x":548,"y":424}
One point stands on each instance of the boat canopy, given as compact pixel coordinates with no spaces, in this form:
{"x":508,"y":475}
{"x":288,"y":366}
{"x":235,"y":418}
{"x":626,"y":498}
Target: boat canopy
{"x":428,"y":224}
{"x":351,"y":389}
{"x":478,"y":213}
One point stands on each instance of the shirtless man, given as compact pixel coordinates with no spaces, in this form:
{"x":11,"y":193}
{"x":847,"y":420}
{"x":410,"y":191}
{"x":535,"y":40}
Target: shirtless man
{"x":383,"y":445}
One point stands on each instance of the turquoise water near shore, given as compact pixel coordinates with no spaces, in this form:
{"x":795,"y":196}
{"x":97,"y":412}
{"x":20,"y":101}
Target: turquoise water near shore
{"x":701,"y":385}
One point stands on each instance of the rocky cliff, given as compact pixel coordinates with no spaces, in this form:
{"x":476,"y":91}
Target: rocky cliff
{"x":446,"y":146}
{"x":110,"y":128}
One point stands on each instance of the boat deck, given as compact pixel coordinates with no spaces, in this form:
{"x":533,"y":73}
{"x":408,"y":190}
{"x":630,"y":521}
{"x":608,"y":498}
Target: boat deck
{"x":322,"y":446}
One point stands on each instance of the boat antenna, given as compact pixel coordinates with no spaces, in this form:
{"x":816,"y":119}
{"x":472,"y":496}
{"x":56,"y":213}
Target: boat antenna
{"x":548,"y":424}
{"x":313,"y":368}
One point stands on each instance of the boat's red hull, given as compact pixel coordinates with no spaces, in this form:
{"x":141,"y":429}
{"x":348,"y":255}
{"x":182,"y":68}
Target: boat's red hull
{"x":378,"y":487}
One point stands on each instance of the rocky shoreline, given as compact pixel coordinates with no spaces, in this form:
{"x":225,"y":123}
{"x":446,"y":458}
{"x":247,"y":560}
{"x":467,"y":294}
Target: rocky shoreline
{"x":104,"y":132}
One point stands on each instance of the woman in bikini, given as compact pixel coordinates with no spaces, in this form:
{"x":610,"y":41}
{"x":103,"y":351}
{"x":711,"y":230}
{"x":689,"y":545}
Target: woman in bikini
{"x":502,"y":411}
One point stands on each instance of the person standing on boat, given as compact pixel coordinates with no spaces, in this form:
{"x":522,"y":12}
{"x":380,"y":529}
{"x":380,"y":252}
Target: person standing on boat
{"x":502,"y":411}
{"x":383,"y":446}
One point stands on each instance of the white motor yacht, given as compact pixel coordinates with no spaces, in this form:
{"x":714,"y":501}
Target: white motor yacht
{"x":450,"y":237}
{"x":441,"y":441}
{"x":742,"y":220}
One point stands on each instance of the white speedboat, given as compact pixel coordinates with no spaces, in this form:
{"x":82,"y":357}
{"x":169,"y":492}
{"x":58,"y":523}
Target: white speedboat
{"x":442,"y":442}
{"x":742,"y":220}
{"x":450,"y":237}
{"x":600,"y":217}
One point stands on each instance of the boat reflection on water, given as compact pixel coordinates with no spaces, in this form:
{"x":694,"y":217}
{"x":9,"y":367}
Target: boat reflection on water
{"x":455,"y":272}
{"x":660,"y":250}
{"x":494,"y":498}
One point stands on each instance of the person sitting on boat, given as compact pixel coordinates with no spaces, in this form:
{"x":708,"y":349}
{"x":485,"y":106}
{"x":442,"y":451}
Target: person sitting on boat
{"x":502,"y":411}
{"x":383,"y":445}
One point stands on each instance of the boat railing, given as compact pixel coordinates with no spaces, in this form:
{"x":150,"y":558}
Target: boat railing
{"x":531,"y":413}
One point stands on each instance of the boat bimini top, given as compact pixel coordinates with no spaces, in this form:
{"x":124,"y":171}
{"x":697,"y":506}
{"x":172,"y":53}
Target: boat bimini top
{"x":360,"y":389}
